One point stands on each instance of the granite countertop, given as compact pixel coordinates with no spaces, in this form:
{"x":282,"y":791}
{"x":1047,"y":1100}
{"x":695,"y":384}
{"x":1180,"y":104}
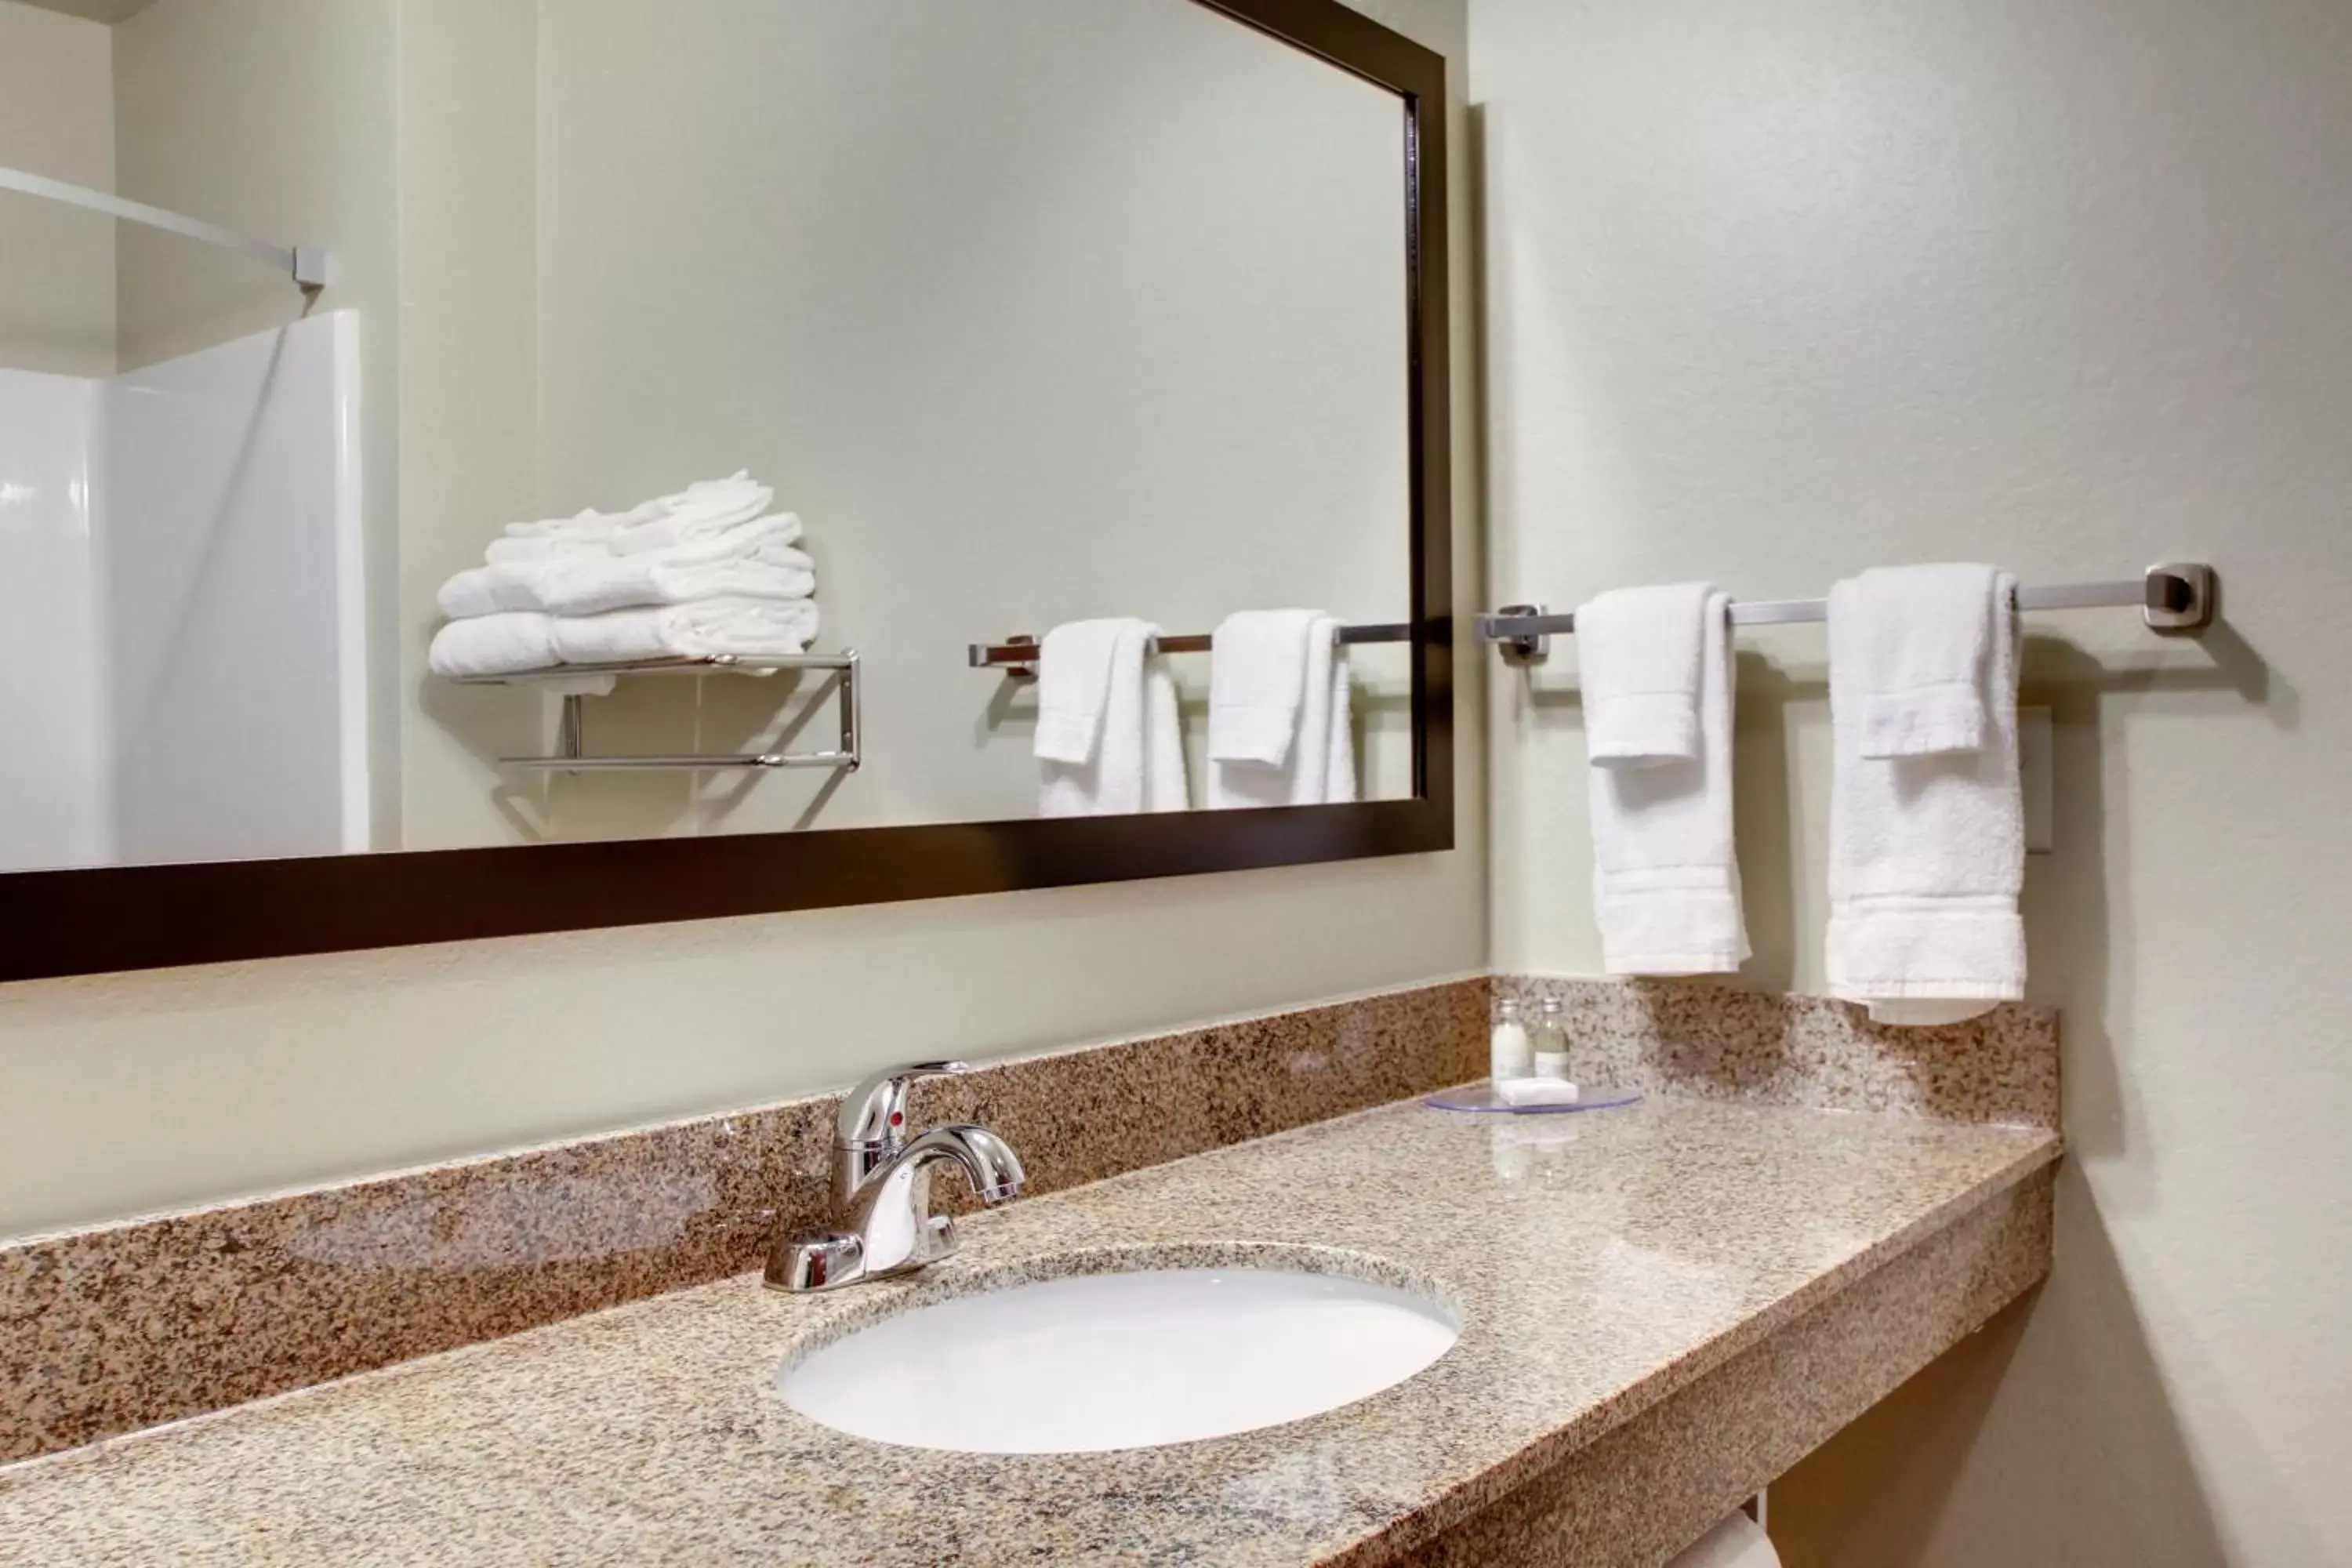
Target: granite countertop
{"x":1601,"y":1262}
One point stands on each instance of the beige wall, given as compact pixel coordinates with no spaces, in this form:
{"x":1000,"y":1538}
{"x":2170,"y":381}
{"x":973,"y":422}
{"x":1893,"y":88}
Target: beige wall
{"x":57,"y":264}
{"x":1778,"y":293}
{"x":276,"y":119}
{"x":129,"y":1093}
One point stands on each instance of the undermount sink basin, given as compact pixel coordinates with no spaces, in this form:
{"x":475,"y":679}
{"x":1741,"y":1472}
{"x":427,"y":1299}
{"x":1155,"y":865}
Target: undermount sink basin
{"x":1098,"y":1362}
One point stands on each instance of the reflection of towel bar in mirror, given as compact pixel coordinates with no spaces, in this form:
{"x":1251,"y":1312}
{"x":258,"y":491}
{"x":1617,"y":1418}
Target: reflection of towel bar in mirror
{"x":1017,"y":656}
{"x":572,"y":752}
{"x":2176,"y":596}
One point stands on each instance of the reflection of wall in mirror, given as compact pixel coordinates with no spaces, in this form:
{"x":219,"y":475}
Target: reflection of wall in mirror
{"x":1115,"y":325}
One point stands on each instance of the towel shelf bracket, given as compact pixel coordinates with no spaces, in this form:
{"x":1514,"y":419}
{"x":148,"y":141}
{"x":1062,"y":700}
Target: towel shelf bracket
{"x":2175,"y":596}
{"x":572,"y":754}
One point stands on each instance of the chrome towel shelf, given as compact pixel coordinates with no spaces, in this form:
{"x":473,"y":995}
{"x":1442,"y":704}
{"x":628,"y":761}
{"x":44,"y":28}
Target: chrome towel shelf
{"x":1017,"y":656}
{"x":572,"y":751}
{"x":2176,"y":596}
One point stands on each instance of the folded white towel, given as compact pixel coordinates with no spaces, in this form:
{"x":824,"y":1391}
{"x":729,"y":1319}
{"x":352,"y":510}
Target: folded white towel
{"x":746,"y":562}
{"x":1319,"y":767}
{"x":1926,"y":852}
{"x":1665,"y":882}
{"x":704,"y":520}
{"x":509,"y":644}
{"x":1921,"y":651}
{"x":1131,"y":757}
{"x":1638,"y":654}
{"x":701,"y":629}
{"x":586,"y":525}
{"x":1258,"y":685}
{"x":494,"y":645}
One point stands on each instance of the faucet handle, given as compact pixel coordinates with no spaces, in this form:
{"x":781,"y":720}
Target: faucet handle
{"x":875,"y":1113}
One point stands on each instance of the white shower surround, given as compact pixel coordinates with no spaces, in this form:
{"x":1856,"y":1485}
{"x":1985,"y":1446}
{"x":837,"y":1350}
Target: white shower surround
{"x":182,"y":653}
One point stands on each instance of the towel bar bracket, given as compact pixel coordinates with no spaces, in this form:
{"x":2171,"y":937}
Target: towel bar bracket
{"x":1524,"y":647}
{"x":572,"y":754}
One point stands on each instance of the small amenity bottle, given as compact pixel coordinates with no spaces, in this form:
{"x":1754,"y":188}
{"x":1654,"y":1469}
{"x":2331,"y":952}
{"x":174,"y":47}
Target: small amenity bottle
{"x":1549,"y":1040}
{"x":1509,"y":1054}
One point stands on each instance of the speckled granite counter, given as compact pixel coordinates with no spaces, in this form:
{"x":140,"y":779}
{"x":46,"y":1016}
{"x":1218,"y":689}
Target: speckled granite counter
{"x":1658,"y":1304}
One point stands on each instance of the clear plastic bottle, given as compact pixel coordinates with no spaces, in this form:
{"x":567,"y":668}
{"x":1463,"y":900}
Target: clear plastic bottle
{"x":1549,"y":1040}
{"x":1508,"y":1053}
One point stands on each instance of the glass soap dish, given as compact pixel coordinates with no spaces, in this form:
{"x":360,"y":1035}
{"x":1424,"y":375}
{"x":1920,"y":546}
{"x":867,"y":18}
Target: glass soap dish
{"x":1481,"y":1097}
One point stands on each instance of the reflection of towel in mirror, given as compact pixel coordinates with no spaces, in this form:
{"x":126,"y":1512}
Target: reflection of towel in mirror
{"x":509,"y":644}
{"x":1261,"y":752}
{"x":1109,"y":738}
{"x":749,"y":561}
{"x":705,"y":628}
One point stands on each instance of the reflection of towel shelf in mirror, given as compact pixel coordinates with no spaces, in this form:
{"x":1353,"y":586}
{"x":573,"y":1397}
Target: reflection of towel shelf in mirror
{"x":2176,"y":596}
{"x":572,"y":752}
{"x":1017,"y":656}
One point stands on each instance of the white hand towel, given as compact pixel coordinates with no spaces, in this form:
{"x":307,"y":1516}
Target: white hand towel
{"x":1074,"y":678}
{"x":589,"y":524}
{"x":1665,"y":880}
{"x":1319,"y":768}
{"x":673,"y":529}
{"x":1921,"y":652}
{"x":1739,"y":1542}
{"x":1639,"y":652}
{"x":1926,"y":852}
{"x":1133,"y":756}
{"x":1258,"y":680}
{"x":750,"y":627}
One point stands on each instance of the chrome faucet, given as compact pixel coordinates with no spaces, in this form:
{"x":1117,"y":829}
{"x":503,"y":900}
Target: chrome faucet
{"x":882,"y":1188}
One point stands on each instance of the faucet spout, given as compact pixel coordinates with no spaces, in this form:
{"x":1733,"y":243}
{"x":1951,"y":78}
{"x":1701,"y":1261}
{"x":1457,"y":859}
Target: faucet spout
{"x":988,"y":1163}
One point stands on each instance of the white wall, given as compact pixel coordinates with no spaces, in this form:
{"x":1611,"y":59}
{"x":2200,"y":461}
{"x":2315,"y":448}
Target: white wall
{"x":56,"y":784}
{"x":57,"y":264}
{"x":234,"y":616}
{"x":1777,"y":293}
{"x":124,"y":1093}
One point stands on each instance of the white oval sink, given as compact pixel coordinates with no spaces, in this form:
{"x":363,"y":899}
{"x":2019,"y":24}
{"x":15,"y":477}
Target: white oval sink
{"x":1119,"y":1361}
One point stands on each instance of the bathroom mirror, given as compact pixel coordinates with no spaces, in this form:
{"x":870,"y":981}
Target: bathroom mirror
{"x":478,"y":466}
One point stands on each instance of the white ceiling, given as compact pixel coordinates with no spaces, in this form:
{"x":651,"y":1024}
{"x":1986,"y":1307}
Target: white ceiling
{"x":108,"y":10}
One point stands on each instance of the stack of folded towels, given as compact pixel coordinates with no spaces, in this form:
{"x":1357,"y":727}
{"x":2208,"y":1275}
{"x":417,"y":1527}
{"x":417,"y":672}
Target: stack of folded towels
{"x":706,"y":572}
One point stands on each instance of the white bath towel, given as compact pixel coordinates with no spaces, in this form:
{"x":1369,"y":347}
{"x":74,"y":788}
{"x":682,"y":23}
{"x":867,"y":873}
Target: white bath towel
{"x":701,"y":629}
{"x":509,"y":644}
{"x":1638,"y":653}
{"x":1926,"y":852}
{"x":494,"y":645}
{"x":742,"y":564}
{"x":1920,"y":648}
{"x":1130,"y":756}
{"x":1665,"y":880}
{"x":1317,"y":765}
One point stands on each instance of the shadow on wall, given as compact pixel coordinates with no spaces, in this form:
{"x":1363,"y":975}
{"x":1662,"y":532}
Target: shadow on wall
{"x":2074,"y":1359}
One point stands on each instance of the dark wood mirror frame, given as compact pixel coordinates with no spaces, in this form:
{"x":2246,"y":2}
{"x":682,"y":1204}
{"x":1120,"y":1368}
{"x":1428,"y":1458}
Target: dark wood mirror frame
{"x":144,"y":917}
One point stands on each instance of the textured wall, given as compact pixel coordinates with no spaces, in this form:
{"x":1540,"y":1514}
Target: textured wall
{"x":1777,"y":293}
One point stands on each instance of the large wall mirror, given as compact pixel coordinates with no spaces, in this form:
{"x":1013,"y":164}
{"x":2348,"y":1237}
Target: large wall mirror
{"x":481,"y":466}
